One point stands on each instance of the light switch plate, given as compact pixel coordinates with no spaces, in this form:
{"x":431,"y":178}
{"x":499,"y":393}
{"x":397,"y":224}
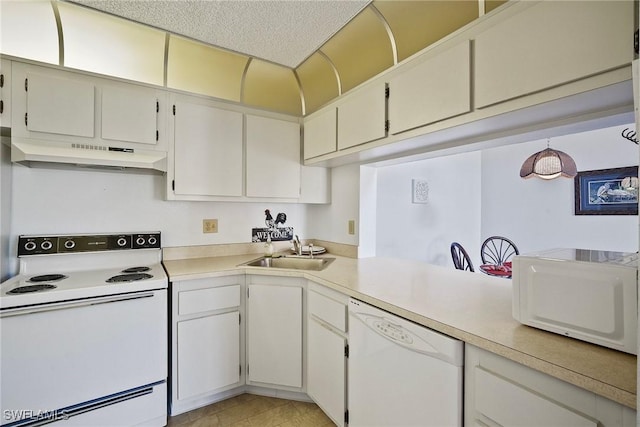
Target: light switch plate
{"x":352,"y":226}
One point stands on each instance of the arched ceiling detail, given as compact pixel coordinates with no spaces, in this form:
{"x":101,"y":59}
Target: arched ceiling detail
{"x":360,"y":50}
{"x":273,"y":87}
{"x":383,"y":33}
{"x":318,"y":81}
{"x":417,"y":24}
{"x":218,"y":74}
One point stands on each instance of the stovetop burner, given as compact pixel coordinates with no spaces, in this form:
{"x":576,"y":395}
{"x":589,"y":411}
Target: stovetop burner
{"x":120,"y":278}
{"x":31,"y":288}
{"x":47,"y":278}
{"x":136,"y":269}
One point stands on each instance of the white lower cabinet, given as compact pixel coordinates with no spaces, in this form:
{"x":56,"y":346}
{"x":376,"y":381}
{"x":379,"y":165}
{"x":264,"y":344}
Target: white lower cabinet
{"x":274,"y":332}
{"x":326,"y":351}
{"x":500,"y":392}
{"x":207,"y":340}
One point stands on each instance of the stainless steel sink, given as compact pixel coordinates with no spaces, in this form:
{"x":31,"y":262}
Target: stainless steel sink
{"x":291,"y":262}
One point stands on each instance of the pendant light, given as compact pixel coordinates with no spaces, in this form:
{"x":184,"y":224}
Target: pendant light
{"x":549,"y":164}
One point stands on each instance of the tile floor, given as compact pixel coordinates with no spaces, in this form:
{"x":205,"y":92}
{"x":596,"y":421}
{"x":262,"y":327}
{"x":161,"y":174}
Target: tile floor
{"x":248,"y":410}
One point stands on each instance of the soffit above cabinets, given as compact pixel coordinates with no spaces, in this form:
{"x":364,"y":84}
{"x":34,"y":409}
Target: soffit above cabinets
{"x":283,"y":32}
{"x":287,"y":56}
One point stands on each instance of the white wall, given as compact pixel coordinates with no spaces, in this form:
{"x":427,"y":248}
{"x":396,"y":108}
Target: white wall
{"x":476,"y":195}
{"x":539,"y":214}
{"x":77,"y":201}
{"x":330,"y":222}
{"x":59,"y":201}
{"x":425,"y":231}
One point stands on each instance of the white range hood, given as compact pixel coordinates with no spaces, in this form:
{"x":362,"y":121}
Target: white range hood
{"x":34,"y":153}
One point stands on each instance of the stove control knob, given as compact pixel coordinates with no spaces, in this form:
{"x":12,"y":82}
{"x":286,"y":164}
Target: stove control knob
{"x":140,"y":241}
{"x":69,"y":244}
{"x":121,"y":242}
{"x":46,"y":245}
{"x":152,"y":241}
{"x":30,"y":245}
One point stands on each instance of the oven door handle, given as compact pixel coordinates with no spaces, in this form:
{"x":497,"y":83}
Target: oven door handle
{"x":19,"y":311}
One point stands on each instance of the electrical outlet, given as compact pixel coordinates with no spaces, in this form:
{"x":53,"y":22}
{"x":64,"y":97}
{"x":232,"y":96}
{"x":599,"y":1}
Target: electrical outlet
{"x":352,"y":226}
{"x":209,"y":225}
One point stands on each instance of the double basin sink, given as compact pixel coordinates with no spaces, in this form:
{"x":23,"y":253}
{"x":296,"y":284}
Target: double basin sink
{"x":291,"y":262}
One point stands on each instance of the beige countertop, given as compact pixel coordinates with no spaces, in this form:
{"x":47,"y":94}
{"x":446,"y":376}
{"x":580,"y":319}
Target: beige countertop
{"x":472,"y":307}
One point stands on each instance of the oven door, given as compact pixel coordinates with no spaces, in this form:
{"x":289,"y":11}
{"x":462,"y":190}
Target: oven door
{"x":63,"y":354}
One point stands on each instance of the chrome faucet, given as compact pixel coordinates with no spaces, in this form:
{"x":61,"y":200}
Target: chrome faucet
{"x":297,"y":247}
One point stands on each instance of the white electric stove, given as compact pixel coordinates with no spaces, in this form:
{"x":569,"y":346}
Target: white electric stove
{"x":83,"y":328}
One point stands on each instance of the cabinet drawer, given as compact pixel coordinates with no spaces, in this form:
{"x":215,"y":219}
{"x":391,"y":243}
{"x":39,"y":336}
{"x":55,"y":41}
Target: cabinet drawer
{"x":508,"y":403}
{"x":328,"y":310}
{"x":201,"y":300}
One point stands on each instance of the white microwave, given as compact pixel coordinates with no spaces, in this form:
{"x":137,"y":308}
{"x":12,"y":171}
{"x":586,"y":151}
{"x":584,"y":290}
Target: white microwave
{"x":585,"y":294}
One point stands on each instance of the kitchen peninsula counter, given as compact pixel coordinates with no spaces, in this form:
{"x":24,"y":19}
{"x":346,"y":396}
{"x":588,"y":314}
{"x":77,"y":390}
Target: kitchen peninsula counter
{"x":472,"y":307}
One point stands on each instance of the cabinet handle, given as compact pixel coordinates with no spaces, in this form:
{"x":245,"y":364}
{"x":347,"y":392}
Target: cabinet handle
{"x":1,"y":106}
{"x":1,"y":80}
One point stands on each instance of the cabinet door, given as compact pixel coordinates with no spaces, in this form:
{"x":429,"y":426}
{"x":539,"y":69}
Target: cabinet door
{"x":59,"y":105}
{"x":273,"y":158}
{"x":549,"y":44}
{"x":436,"y":89}
{"x":315,"y":185}
{"x":5,"y":93}
{"x":208,"y":353}
{"x":320,"y":134}
{"x":501,"y":392}
{"x":274,"y":349}
{"x":208,"y":151}
{"x":362,"y":118}
{"x":129,"y":114}
{"x":326,"y":370}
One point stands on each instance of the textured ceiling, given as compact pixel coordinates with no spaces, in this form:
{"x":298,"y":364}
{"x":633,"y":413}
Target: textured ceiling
{"x":285,"y":32}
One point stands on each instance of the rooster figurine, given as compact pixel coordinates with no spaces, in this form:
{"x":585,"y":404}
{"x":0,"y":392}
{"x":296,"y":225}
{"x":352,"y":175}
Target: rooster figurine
{"x":281,"y":218}
{"x":269,"y":222}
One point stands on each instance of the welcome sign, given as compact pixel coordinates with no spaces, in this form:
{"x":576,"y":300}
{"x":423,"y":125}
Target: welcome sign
{"x":276,"y":234}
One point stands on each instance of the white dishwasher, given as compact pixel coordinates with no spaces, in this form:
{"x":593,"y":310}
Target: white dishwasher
{"x":400,"y":373}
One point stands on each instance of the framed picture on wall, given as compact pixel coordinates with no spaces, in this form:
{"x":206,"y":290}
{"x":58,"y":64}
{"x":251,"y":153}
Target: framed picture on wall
{"x":607,"y":192}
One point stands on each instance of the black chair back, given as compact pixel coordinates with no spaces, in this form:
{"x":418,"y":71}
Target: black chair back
{"x":461,"y":259}
{"x":497,"y":250}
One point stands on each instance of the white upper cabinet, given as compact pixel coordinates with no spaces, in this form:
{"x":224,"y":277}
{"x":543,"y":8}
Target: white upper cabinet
{"x":551,"y":43}
{"x":207,"y":147}
{"x":59,"y":105}
{"x":315,"y":185}
{"x":5,"y":93}
{"x":362,"y":117}
{"x":320,"y":134}
{"x":434,"y":89}
{"x":273,"y":157}
{"x":63,"y":107}
{"x":130,"y":114}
